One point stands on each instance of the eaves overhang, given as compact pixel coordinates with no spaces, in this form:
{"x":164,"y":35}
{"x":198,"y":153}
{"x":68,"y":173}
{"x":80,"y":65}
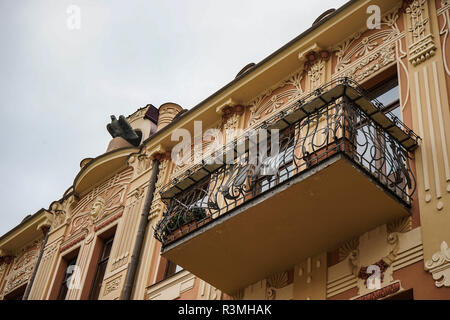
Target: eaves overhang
{"x":348,"y":18}
{"x":25,"y":232}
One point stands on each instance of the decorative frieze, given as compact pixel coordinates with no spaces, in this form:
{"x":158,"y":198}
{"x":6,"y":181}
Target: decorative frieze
{"x":23,"y":266}
{"x":364,"y":54}
{"x":102,"y":205}
{"x":276,"y":97}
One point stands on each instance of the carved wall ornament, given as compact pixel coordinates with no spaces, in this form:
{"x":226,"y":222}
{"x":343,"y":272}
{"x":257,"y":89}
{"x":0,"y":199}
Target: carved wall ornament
{"x":423,"y":46}
{"x":418,"y":20}
{"x":384,"y":263}
{"x":139,"y":192}
{"x":102,"y":202}
{"x":369,"y":64}
{"x":315,"y":67}
{"x":354,"y":262}
{"x":271,"y":293}
{"x":49,"y":252}
{"x":347,"y":248}
{"x":23,"y":266}
{"x":439,"y":266}
{"x":97,"y":208}
{"x":444,"y":31}
{"x":112,"y":286}
{"x":141,"y":163}
{"x":401,"y":225}
{"x":59,"y":214}
{"x":276,"y":97}
{"x":276,"y":281}
{"x":366,"y":52}
{"x":357,"y":45}
{"x":316,"y":73}
{"x":2,"y":270}
{"x":422,"y":50}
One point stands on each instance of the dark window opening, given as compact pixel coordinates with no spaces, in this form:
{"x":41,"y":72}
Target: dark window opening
{"x":68,"y":274}
{"x":404,"y":295}
{"x":386,"y":93}
{"x":171,"y":269}
{"x":101,"y":269}
{"x":17,"y":294}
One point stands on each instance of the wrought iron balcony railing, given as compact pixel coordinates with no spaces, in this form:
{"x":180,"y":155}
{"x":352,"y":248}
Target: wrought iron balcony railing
{"x":338,"y":119}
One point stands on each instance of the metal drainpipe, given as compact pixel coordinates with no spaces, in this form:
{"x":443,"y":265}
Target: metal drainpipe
{"x":33,"y":276}
{"x":134,"y":260}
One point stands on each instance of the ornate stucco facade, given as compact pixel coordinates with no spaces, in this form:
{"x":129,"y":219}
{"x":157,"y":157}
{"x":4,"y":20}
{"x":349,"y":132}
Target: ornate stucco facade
{"x":346,"y":211}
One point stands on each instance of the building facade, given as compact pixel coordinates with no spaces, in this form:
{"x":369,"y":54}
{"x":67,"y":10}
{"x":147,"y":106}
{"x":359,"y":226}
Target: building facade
{"x":354,"y":205}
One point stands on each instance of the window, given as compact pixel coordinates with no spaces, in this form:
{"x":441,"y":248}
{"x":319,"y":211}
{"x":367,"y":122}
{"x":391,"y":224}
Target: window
{"x":371,"y":143}
{"x":17,"y":294}
{"x":101,"y":269}
{"x":277,"y":168}
{"x":68,"y":274}
{"x":388,"y":94}
{"x":171,"y":269}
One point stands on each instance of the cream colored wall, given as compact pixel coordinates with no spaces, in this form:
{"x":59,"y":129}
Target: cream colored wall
{"x":432,"y":122}
{"x":295,"y":73}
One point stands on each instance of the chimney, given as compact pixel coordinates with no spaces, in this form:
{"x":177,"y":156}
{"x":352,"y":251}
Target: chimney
{"x":167,"y":113}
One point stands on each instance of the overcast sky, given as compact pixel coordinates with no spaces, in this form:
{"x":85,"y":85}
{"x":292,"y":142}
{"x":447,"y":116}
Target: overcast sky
{"x":59,"y":86}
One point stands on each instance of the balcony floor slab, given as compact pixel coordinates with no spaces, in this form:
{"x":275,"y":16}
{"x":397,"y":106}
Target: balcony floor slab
{"x":311,"y":213}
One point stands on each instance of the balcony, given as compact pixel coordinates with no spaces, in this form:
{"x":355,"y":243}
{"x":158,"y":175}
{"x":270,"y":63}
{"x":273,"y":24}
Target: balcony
{"x":342,"y":168}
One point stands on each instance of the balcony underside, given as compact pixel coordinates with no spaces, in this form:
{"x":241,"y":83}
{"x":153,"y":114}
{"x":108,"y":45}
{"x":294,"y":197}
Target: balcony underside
{"x":311,"y":213}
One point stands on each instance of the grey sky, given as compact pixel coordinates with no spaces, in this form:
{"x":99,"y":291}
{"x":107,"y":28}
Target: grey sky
{"x":58,"y":87}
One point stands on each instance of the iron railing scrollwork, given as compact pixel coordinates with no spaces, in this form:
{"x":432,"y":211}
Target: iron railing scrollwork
{"x":340,"y":127}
